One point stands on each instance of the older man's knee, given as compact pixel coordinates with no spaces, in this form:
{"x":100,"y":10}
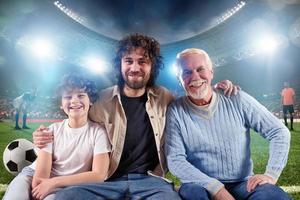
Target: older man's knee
{"x":192,"y":191}
{"x":269,"y":191}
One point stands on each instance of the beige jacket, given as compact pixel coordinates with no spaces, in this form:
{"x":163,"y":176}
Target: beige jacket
{"x":109,"y":111}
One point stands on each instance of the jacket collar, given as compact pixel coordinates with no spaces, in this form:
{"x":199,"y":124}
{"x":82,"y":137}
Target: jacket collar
{"x":151,"y":91}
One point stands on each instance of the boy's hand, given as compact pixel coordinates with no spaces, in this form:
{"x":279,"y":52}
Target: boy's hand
{"x":44,"y":187}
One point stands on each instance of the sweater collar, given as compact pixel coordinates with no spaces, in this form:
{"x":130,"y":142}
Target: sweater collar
{"x":205,"y":111}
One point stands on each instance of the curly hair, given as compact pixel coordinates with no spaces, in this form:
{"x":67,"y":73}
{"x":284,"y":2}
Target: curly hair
{"x":75,"y":81}
{"x":152,"y":49}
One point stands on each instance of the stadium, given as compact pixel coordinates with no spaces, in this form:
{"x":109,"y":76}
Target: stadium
{"x":253,"y":43}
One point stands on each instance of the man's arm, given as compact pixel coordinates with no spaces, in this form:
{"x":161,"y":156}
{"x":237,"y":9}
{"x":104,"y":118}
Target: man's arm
{"x":177,"y":158}
{"x":268,"y":126}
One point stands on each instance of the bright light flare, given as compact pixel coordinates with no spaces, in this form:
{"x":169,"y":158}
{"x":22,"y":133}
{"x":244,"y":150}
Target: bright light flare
{"x":42,"y":48}
{"x":267,"y":44}
{"x":96,"y":65}
{"x":174,"y":69}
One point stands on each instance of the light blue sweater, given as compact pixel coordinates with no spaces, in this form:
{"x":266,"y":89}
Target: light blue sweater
{"x":210,"y":145}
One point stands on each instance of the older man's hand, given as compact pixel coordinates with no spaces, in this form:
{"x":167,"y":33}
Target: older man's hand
{"x":259,"y":179}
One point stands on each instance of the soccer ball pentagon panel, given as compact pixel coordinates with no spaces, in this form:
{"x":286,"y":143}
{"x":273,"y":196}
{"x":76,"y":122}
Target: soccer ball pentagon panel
{"x":17,"y":155}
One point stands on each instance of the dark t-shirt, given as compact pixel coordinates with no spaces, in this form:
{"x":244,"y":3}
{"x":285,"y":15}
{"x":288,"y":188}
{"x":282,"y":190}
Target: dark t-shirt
{"x":139,"y":153}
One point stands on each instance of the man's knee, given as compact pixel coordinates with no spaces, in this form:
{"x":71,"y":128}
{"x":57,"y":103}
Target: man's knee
{"x":79,"y":192}
{"x":269,"y":191}
{"x":165,"y":195}
{"x":192,"y":191}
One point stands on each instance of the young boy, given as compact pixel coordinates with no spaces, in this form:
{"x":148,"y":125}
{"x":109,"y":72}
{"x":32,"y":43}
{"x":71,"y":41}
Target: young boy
{"x":78,"y":154}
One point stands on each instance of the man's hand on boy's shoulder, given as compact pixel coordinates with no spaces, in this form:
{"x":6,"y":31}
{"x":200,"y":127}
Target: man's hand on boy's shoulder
{"x":228,"y":87}
{"x":42,"y":136}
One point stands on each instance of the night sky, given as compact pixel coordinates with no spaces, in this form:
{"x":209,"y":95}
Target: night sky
{"x":167,"y":20}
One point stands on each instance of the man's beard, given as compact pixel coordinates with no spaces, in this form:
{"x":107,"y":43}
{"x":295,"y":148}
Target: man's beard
{"x":199,"y":94}
{"x":136,"y":84}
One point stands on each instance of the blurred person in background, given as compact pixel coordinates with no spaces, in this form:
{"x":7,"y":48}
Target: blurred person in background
{"x":288,"y":100}
{"x":21,"y":105}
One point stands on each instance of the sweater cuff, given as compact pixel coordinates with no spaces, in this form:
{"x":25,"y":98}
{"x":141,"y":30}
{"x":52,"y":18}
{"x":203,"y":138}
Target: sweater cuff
{"x":273,"y":174}
{"x":214,"y":186}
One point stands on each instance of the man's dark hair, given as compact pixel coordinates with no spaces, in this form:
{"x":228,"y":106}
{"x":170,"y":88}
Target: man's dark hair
{"x":152,"y":50}
{"x":75,"y":81}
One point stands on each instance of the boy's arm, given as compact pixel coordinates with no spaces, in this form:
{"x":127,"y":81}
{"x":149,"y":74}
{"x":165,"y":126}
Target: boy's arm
{"x":98,"y":173}
{"x":43,"y":167}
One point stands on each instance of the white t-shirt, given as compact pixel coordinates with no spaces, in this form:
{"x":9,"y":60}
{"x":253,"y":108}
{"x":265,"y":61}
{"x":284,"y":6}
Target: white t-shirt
{"x":73,"y":148}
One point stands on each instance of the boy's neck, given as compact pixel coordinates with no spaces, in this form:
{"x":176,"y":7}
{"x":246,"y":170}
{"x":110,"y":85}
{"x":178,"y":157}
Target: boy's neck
{"x":77,"y":123}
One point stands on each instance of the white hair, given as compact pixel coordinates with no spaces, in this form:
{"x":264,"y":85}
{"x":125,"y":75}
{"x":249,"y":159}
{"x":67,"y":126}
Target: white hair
{"x":192,"y":51}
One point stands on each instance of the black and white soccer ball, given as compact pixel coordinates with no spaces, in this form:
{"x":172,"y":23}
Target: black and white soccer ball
{"x":17,"y":155}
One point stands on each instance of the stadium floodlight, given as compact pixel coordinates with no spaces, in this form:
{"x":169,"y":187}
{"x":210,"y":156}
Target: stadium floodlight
{"x":96,"y":65}
{"x":266,"y":44}
{"x":68,"y":12}
{"x":231,"y":11}
{"x":42,"y":48}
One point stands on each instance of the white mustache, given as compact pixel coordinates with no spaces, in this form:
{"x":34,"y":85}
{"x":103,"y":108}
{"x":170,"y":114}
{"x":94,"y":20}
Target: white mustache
{"x":197,"y":83}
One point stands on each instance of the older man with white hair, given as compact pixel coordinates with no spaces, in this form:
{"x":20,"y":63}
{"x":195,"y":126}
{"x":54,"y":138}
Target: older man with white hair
{"x":208,"y":138}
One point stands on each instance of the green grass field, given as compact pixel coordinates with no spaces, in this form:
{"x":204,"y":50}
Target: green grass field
{"x":289,"y":180}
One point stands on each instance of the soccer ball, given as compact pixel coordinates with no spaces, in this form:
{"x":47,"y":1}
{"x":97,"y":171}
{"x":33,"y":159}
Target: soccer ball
{"x":17,"y":155}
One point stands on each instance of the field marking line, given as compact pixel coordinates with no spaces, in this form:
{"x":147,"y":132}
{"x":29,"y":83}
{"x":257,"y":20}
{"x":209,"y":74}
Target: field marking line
{"x":3,"y":187}
{"x":291,"y":189}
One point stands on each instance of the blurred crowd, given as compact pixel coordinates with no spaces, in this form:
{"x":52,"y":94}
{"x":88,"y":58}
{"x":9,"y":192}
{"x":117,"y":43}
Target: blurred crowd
{"x":41,"y":108}
{"x":48,"y":107}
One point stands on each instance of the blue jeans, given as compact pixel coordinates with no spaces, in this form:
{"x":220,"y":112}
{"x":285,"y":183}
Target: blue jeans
{"x":238,"y":190}
{"x":131,"y":186}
